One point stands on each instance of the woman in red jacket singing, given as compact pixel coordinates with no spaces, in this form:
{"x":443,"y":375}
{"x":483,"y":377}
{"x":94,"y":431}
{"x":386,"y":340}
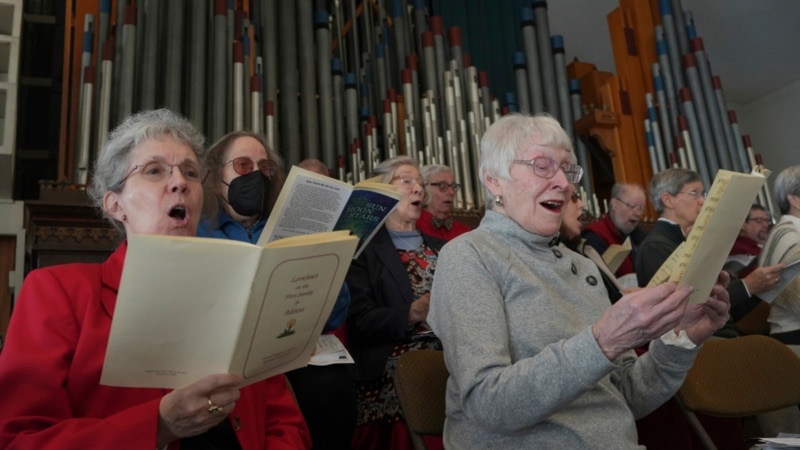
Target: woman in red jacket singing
{"x":147,"y":180}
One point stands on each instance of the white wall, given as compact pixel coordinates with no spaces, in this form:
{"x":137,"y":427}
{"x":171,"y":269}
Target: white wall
{"x":773,"y":123}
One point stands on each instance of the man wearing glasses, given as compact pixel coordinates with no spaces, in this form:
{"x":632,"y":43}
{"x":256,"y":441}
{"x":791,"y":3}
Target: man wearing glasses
{"x":622,"y":221}
{"x":436,"y":219}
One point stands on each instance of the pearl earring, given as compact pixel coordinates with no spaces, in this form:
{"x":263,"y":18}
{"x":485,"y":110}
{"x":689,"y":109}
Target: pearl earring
{"x":498,"y":200}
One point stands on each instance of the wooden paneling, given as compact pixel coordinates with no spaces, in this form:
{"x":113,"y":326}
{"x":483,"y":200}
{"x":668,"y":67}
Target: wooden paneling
{"x":8,"y":248}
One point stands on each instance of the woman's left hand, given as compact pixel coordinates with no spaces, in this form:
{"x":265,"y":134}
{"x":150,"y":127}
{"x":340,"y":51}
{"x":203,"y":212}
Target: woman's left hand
{"x":702,"y":320}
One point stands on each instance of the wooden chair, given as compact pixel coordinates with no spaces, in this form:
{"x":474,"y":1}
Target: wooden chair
{"x":740,"y":377}
{"x":420,"y":379}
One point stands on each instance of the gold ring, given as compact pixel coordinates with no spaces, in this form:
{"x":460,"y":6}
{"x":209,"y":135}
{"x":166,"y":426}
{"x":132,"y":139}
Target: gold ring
{"x":212,"y":408}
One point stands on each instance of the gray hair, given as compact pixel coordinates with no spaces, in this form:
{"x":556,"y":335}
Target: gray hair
{"x":669,"y":181}
{"x":387,"y":168}
{"x":113,"y":163}
{"x":620,"y":188}
{"x":434,"y":169}
{"x":787,"y":183}
{"x":503,"y":141}
{"x":217,"y":157}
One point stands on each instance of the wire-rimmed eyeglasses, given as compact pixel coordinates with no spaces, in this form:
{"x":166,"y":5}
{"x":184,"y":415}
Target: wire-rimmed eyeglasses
{"x":410,"y":181}
{"x":547,"y":168}
{"x":244,"y":165}
{"x":637,"y":208}
{"x":159,"y":170}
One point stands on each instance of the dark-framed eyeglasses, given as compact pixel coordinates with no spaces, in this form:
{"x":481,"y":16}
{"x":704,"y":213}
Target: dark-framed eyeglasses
{"x":244,"y":165}
{"x":637,"y":208}
{"x":409,"y":181}
{"x":444,"y":186}
{"x":547,"y":168}
{"x":758,"y":220}
{"x":159,"y":170}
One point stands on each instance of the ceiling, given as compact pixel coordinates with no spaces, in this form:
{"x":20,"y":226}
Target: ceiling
{"x":753,"y":46}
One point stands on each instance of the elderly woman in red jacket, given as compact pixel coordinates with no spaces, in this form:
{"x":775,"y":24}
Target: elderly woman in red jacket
{"x":147,"y":181}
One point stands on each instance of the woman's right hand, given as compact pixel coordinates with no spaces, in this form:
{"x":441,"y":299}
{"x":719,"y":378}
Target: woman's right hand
{"x":188,"y":411}
{"x":640,"y":317}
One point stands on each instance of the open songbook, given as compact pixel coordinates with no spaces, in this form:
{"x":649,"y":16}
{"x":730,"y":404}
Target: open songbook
{"x":615,"y":254}
{"x":698,"y":260}
{"x":312,"y":203}
{"x":191,"y":307}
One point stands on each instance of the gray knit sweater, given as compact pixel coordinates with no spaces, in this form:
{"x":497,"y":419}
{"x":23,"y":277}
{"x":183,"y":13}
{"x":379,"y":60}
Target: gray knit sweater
{"x":514,"y":316}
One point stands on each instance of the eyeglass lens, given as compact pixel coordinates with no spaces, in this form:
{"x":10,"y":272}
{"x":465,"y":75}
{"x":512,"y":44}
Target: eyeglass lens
{"x":244,"y":165}
{"x":160,"y":170}
{"x":443,"y":187}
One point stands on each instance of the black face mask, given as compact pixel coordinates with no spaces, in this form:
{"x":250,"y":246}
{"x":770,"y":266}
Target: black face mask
{"x":247,"y":194}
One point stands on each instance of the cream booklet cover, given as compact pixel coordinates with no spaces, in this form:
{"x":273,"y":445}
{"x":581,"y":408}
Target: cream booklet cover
{"x":191,"y":307}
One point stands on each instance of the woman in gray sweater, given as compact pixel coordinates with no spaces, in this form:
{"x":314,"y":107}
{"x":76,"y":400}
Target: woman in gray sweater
{"x":537,"y":359}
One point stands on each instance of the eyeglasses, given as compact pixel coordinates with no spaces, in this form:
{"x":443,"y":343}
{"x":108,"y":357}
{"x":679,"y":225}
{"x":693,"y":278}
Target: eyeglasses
{"x":157,"y":171}
{"x":244,"y":165}
{"x":694,"y":194}
{"x":575,"y":197}
{"x":759,"y":220}
{"x":443,"y":186}
{"x":637,"y":208}
{"x":410,"y":181}
{"x":547,"y":168}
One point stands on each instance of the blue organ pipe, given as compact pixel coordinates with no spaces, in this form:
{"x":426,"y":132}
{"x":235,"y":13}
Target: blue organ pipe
{"x":420,"y":22}
{"x":521,"y":78}
{"x":741,"y":152}
{"x":730,"y":139}
{"x":673,"y":47}
{"x":351,"y":109}
{"x":663,"y":110}
{"x":704,"y":167}
{"x":707,"y":91}
{"x":338,"y":108}
{"x":693,"y":80}
{"x":670,"y":89}
{"x":531,"y":47}
{"x":652,"y":118}
{"x":580,"y":147}
{"x":510,"y":102}
{"x":562,"y":85}
{"x":549,"y":86}
{"x":680,"y":27}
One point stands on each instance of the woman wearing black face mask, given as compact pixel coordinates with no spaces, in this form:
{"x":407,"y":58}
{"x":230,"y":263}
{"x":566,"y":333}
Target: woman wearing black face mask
{"x":244,"y":178}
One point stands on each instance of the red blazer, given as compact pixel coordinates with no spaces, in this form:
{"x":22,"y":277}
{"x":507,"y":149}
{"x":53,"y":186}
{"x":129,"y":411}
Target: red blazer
{"x":424,"y":224}
{"x":50,"y":370}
